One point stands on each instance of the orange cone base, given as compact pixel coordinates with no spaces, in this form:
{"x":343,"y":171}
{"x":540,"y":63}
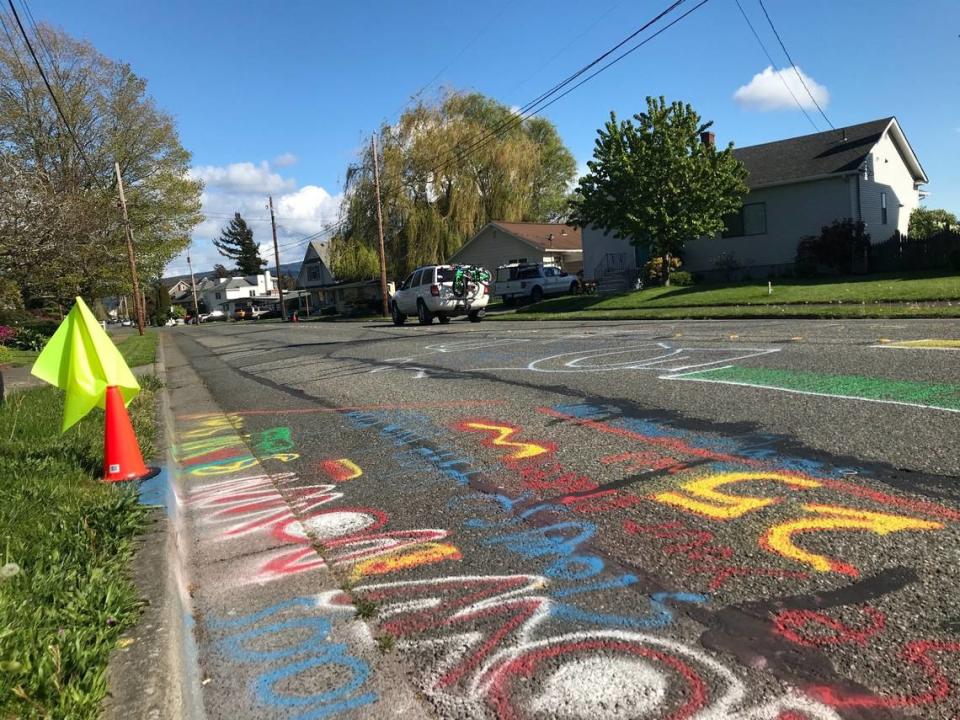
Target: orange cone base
{"x":121,"y":453}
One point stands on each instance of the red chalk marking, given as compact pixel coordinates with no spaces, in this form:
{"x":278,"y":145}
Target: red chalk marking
{"x":348,"y":408}
{"x":723,"y":574}
{"x":916,"y":652}
{"x":525,"y":666}
{"x":229,"y":453}
{"x":882,"y":498}
{"x":790,"y":624}
{"x":295,"y":561}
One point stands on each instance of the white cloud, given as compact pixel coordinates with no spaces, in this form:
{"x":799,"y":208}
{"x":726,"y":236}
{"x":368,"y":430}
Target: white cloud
{"x":285,"y":160}
{"x":243,"y":187}
{"x":768,"y":91}
{"x":242,"y":177}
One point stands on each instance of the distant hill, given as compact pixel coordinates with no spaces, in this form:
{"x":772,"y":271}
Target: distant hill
{"x":292,"y":269}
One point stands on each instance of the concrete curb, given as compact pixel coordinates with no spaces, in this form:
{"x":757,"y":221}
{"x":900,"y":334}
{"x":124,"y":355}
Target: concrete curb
{"x":157,"y":676}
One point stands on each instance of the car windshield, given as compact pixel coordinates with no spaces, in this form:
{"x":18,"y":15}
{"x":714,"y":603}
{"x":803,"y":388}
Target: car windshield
{"x":445,"y":274}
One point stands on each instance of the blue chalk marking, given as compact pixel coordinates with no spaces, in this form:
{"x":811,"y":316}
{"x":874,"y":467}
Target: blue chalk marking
{"x":539,"y":542}
{"x":156,"y":491}
{"x":565,"y":568}
{"x":252,"y":618}
{"x":660,"y":616}
{"x":317,"y":631}
{"x":333,"y":701}
{"x":613,"y":583}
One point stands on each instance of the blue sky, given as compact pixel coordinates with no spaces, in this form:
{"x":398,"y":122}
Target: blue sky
{"x":278,"y":97}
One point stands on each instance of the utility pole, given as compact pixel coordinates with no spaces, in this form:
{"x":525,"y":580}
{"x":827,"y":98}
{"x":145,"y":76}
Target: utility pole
{"x":130,"y":257}
{"x":276,"y":257}
{"x":193,"y":285}
{"x":383,"y":259}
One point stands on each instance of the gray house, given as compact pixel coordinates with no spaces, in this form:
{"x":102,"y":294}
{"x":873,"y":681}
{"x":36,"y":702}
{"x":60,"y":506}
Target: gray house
{"x":500,"y":243}
{"x":315,"y":274}
{"x":865,"y":172}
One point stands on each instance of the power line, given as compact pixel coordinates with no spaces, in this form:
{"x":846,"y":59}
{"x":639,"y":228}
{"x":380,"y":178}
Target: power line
{"x":537,"y":107}
{"x":528,"y":109}
{"x":794,"y":65}
{"x":53,"y":96}
{"x":776,"y":68}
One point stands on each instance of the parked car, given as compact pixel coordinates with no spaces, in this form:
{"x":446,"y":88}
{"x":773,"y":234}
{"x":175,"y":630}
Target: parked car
{"x":428,"y":294}
{"x":533,"y":281}
{"x":213,"y":316}
{"x":126,"y":323}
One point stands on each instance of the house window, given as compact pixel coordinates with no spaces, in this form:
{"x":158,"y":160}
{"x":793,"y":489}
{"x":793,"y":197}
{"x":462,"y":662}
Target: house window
{"x":883,"y":208}
{"x":253,"y":293}
{"x":218,"y":296}
{"x":313,"y":272}
{"x":749,"y":220}
{"x":517,"y":260}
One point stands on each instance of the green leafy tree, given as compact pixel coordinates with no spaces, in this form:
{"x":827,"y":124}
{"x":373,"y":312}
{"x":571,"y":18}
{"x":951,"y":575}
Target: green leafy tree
{"x":157,"y":298}
{"x":653,"y":181}
{"x":60,"y":227}
{"x":219,"y":271}
{"x":236,"y":243}
{"x":925,"y":222}
{"x":447,"y":169}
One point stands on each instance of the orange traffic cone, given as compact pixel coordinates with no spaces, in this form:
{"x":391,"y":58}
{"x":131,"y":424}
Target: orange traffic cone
{"x":121,"y":453}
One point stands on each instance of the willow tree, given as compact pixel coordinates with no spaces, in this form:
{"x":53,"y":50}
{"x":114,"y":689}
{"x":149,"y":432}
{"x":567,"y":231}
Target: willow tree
{"x":447,"y":169}
{"x":60,"y":227}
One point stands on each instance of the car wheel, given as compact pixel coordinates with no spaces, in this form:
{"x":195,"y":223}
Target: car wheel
{"x":476,"y":316}
{"x":424,"y":316}
{"x":574,"y":287}
{"x":509,"y":300}
{"x":536,"y":295}
{"x":398,"y":317}
{"x":444,"y":319}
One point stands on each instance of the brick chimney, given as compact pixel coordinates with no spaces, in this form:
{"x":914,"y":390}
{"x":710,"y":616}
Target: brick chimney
{"x":708,"y":138}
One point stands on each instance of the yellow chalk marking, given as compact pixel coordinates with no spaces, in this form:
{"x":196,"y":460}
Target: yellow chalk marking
{"x":524,"y":450}
{"x":425,"y":554}
{"x":937,"y":343}
{"x":779,"y":538}
{"x":722,"y":506}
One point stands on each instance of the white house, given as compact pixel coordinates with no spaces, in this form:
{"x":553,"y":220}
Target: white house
{"x":499,"y":243}
{"x":228,"y":293}
{"x":865,"y":172}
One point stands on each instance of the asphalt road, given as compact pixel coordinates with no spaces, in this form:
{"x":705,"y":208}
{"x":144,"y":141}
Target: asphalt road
{"x":717,"y":519}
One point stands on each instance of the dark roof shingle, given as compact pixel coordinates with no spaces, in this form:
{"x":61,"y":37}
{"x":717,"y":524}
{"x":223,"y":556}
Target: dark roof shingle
{"x":807,"y":156}
{"x":565,"y":237}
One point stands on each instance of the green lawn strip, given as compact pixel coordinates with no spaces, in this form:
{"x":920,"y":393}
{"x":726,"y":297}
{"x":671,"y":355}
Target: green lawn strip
{"x":14,"y":357}
{"x":884,"y":289}
{"x":139,"y":349}
{"x":938,"y":395}
{"x":750,"y":311}
{"x":71,"y":537}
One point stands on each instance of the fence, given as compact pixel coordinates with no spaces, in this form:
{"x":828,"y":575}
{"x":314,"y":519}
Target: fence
{"x":937,"y":252}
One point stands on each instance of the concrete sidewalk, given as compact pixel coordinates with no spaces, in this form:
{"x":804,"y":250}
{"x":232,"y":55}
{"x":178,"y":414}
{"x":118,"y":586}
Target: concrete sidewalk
{"x":273,"y":635}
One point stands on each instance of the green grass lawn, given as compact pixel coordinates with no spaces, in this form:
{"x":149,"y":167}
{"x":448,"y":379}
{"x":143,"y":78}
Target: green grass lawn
{"x":71,"y":537}
{"x":139,"y":349}
{"x":862,"y":297}
{"x":13,"y":357}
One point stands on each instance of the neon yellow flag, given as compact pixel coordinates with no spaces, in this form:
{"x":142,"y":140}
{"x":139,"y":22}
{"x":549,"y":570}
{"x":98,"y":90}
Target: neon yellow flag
{"x":81,"y":359}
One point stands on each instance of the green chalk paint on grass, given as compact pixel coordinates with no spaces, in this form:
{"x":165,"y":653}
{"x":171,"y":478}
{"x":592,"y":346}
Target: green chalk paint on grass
{"x":943,"y":396}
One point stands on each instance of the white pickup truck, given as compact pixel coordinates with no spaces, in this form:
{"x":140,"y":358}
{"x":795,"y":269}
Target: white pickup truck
{"x":535,"y":282}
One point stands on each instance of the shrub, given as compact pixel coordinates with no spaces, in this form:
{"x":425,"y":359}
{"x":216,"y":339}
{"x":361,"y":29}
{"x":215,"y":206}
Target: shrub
{"x":7,"y":334}
{"x":654,"y":267}
{"x":29,"y":338}
{"x":328,"y":311}
{"x":837,"y":249}
{"x":681,"y":278}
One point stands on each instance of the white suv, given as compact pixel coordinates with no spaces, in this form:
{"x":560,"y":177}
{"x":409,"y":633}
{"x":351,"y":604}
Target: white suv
{"x":428,"y":294}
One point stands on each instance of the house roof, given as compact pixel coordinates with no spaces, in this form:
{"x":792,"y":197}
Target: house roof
{"x":833,"y":152}
{"x":564,"y":237}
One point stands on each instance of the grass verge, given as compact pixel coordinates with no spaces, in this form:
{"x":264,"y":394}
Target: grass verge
{"x":810,"y":297}
{"x":71,"y":537}
{"x":13,"y":357}
{"x":139,"y":349}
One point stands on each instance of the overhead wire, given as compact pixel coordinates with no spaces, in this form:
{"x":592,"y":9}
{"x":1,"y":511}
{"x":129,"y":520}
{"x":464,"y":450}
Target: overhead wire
{"x":776,"y":68}
{"x":794,"y":65}
{"x":53,"y":96}
{"x":531,"y":108}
